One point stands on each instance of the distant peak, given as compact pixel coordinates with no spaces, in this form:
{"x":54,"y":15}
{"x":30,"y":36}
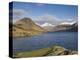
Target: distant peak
{"x":67,"y":23}
{"x":47,"y":24}
{"x":26,"y":19}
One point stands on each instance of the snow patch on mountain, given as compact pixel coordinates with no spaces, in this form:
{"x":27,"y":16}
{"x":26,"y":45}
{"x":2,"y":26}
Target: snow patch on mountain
{"x":47,"y":24}
{"x":67,"y":23}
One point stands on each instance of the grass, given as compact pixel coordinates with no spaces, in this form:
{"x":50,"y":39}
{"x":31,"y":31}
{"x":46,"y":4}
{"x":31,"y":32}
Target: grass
{"x":35,"y":53}
{"x":50,"y":51}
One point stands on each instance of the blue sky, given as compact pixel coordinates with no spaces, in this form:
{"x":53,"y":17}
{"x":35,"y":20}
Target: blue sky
{"x":44,"y":12}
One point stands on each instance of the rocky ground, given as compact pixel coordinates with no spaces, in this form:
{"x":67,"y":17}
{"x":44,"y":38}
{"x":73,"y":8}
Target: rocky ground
{"x":57,"y":50}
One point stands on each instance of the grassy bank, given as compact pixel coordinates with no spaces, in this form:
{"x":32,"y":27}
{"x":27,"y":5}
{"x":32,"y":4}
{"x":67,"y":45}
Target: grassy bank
{"x":50,"y":51}
{"x":34,"y":53}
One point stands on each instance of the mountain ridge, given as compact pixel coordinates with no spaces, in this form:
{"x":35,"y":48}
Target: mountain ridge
{"x":26,"y":27}
{"x":70,"y":27}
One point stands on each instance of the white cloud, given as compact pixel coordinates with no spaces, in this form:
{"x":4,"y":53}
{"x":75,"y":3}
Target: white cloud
{"x":46,"y":18}
{"x":19,"y":11}
{"x":51,"y":19}
{"x":18,"y":14}
{"x":71,"y":19}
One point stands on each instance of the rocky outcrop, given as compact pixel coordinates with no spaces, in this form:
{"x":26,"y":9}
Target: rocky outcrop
{"x":57,"y":50}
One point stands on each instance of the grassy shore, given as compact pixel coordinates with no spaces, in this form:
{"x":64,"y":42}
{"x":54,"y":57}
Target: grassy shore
{"x":50,"y":51}
{"x":34,"y":53}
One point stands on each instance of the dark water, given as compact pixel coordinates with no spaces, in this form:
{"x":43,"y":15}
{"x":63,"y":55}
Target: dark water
{"x":67,"y":40}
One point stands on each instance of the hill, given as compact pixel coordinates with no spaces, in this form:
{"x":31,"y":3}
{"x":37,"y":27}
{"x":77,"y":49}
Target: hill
{"x":26,"y":27}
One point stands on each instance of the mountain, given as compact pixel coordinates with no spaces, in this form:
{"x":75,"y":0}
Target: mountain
{"x":26,"y":27}
{"x":64,"y":26}
{"x":47,"y":26}
{"x":73,"y":28}
{"x":70,"y":27}
{"x":67,"y":23}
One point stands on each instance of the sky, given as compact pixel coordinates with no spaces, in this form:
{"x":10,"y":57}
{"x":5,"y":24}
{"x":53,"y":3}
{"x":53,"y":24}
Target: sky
{"x":41,"y":13}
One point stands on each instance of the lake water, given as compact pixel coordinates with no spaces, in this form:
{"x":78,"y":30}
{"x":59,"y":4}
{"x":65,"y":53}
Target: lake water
{"x":67,"y":40}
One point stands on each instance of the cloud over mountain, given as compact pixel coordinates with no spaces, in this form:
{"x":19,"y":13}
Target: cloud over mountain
{"x":46,"y":18}
{"x":18,"y":14}
{"x":51,"y":19}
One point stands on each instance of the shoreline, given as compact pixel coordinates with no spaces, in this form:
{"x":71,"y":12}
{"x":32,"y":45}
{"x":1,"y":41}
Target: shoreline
{"x":50,"y":51}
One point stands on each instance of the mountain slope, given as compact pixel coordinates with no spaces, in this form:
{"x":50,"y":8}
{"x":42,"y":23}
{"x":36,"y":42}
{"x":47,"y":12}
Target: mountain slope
{"x":26,"y":27}
{"x":47,"y":26}
{"x":74,"y":28}
{"x":67,"y":27}
{"x":64,"y":26}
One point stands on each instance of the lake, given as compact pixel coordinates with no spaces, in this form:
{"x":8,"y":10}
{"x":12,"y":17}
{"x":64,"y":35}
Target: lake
{"x":67,"y":40}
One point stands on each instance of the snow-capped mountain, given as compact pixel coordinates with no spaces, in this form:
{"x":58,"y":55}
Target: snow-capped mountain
{"x":47,"y":24}
{"x":67,"y":23}
{"x":66,"y":26}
